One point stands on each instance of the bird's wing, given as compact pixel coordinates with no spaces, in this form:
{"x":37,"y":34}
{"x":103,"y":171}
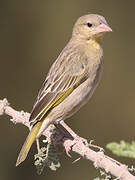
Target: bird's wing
{"x":60,"y":83}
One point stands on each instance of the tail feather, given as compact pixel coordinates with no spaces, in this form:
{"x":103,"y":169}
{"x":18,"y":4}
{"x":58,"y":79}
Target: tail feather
{"x":28,"y":143}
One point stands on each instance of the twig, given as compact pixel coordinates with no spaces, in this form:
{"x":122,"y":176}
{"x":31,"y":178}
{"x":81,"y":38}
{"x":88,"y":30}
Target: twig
{"x":77,"y":145}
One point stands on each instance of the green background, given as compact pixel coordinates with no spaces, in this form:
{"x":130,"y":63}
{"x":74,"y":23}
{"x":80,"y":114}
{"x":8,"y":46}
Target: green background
{"x":32,"y":34}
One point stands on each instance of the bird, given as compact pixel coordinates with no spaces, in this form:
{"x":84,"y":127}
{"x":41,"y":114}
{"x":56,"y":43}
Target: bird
{"x":71,"y":80}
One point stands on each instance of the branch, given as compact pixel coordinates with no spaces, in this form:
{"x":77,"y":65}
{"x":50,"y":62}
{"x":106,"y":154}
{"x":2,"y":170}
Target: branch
{"x":77,"y":145}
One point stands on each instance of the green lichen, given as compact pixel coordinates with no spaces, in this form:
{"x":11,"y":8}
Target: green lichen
{"x":47,"y":157}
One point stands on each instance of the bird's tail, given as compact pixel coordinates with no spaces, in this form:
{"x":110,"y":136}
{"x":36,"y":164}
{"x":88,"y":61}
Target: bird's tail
{"x":28,"y":142}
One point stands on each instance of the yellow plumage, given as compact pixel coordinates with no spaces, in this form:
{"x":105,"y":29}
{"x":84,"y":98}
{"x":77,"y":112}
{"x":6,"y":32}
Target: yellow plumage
{"x":35,"y":130}
{"x":28,"y":143}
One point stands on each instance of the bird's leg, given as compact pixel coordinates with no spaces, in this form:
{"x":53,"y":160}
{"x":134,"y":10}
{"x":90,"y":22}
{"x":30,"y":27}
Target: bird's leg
{"x":63,"y":130}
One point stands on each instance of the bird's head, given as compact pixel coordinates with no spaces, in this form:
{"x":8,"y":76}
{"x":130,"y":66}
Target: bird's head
{"x":91,"y":26}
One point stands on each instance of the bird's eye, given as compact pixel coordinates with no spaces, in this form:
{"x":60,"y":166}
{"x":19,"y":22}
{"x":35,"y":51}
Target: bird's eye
{"x":89,"y":25}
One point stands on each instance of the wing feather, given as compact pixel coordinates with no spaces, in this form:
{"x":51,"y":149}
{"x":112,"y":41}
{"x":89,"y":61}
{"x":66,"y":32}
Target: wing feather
{"x":57,"y":87}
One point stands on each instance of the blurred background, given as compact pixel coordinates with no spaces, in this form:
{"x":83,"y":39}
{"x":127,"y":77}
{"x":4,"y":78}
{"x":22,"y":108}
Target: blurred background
{"x":32,"y":34}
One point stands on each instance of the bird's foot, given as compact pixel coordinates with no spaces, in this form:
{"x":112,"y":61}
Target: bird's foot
{"x":63,"y":131}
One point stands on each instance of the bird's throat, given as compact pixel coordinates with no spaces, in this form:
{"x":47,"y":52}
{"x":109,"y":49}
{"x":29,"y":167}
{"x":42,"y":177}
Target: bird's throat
{"x":94,"y":43}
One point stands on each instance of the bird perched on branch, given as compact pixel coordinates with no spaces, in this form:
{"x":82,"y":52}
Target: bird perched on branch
{"x":71,"y":80}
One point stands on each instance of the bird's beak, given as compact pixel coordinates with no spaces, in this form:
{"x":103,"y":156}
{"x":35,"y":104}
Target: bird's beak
{"x":102,"y":28}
